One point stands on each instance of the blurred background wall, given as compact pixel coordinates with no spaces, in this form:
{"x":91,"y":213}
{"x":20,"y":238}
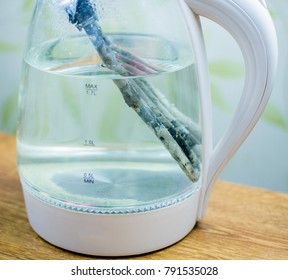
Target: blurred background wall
{"x":262,"y":161}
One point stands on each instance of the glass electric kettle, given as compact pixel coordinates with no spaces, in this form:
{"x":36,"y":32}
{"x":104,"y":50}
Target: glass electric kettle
{"x":114,"y":135}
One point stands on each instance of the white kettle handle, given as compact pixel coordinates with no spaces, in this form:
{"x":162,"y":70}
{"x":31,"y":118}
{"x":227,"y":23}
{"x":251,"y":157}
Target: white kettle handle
{"x":251,"y":26}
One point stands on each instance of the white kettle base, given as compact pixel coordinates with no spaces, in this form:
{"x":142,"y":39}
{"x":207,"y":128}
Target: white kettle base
{"x":112,"y":234}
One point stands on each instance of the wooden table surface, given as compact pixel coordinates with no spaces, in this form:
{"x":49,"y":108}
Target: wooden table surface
{"x":241,"y":223}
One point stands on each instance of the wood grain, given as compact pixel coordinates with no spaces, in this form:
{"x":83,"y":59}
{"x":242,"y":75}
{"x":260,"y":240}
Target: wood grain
{"x":241,"y":223}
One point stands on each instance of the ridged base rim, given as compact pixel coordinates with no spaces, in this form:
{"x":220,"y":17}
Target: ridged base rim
{"x":112,"y":234}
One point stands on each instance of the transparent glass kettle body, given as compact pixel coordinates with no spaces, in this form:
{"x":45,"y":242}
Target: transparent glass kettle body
{"x":81,"y":145}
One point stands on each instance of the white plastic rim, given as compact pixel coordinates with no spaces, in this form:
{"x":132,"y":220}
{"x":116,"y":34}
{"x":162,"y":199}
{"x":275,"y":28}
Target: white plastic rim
{"x":115,"y":234}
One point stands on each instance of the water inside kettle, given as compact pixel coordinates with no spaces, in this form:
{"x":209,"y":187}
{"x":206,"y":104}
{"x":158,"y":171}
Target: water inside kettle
{"x":81,"y":147}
